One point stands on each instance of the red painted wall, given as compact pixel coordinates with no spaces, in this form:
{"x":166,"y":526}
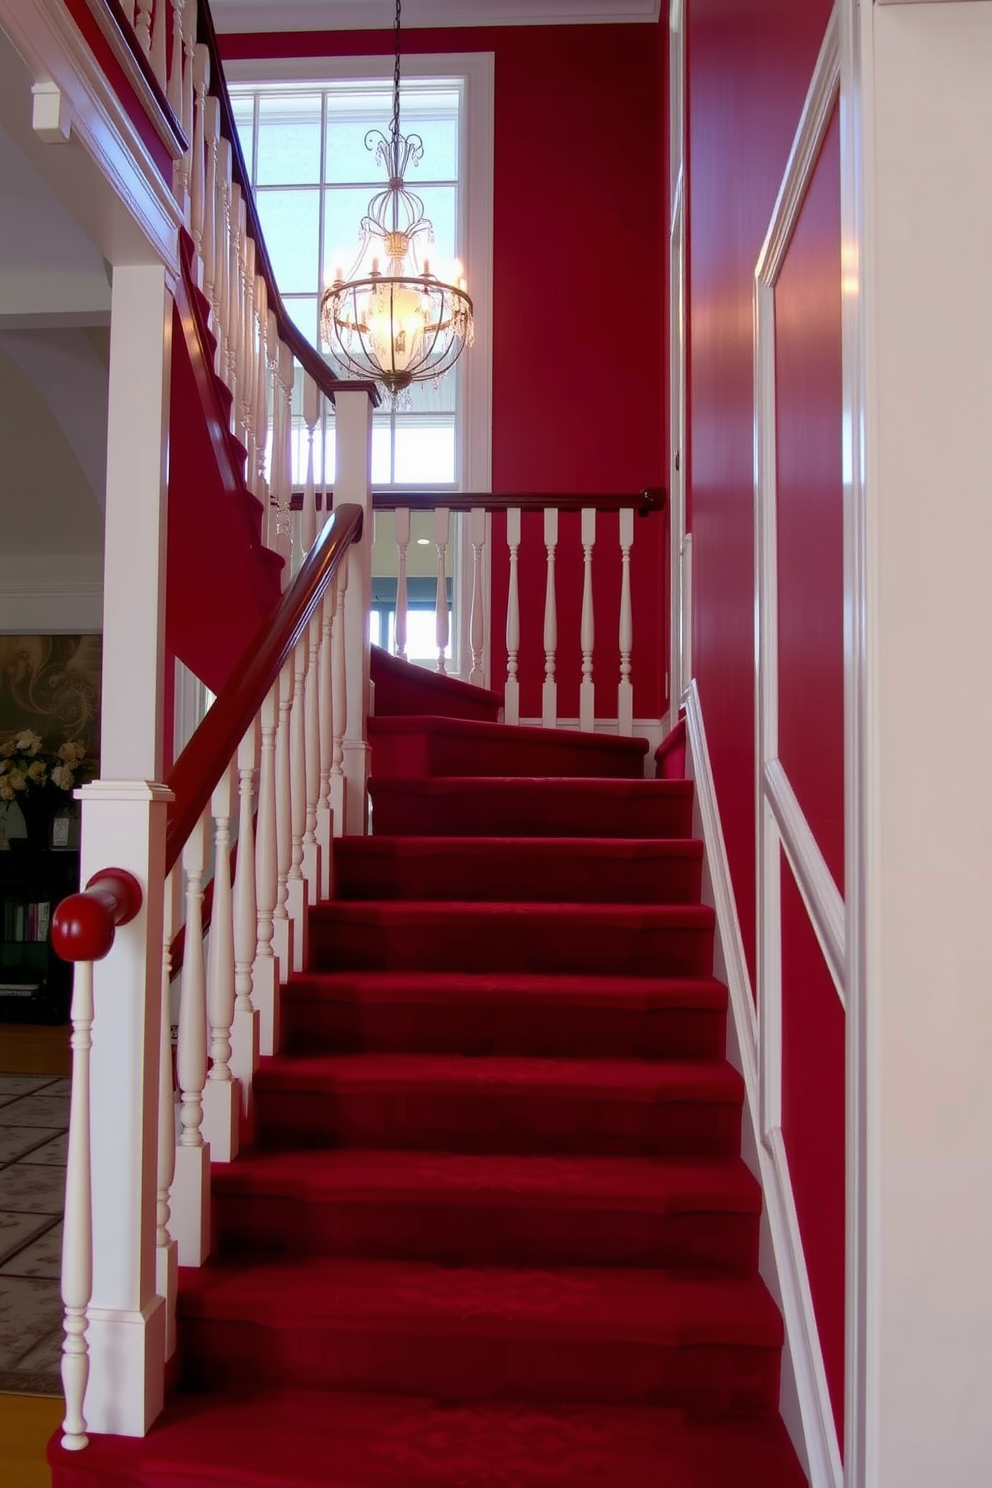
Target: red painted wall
{"x":577,"y":207}
{"x":749,"y":66}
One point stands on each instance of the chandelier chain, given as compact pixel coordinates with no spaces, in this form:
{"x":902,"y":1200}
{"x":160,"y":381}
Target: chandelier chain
{"x":395,"y":127}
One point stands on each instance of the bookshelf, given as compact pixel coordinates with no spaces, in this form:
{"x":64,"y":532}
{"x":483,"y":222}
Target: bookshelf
{"x":35,"y":986}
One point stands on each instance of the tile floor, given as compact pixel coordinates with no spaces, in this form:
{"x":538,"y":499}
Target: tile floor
{"x":34,"y":1116}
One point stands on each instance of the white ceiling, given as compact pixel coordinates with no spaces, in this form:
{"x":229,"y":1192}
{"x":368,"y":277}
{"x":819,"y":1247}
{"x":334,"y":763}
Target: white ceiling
{"x":360,"y":15}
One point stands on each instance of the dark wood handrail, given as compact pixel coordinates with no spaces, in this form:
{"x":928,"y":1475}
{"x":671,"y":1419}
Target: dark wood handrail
{"x":196,"y":772}
{"x":83,"y":926}
{"x":643,"y":502}
{"x":308,"y":357}
{"x":119,"y":31}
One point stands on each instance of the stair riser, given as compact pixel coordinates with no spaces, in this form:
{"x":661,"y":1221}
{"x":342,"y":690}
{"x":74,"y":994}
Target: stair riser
{"x":312,"y":1026}
{"x":728,"y":1377}
{"x":534,"y":878}
{"x":422,"y":752}
{"x":562,"y":945}
{"x":493,"y":1235}
{"x":496,"y":1121}
{"x":527,"y":813}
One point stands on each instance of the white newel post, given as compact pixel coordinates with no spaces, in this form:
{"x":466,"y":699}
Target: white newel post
{"x":442,"y":528}
{"x":124,"y":820}
{"x":353,"y":420}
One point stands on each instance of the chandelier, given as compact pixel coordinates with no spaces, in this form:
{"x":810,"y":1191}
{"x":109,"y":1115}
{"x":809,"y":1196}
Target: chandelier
{"x":391,"y":319}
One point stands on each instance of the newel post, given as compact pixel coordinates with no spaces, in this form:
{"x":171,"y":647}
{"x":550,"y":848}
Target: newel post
{"x":352,"y":483}
{"x":124,"y":824}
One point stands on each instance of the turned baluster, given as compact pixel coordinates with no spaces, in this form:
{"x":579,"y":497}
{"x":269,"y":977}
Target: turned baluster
{"x":511,"y":692}
{"x":246,"y":360}
{"x":442,"y":520}
{"x":222,"y":1096}
{"x":174,"y":93}
{"x":402,"y":547}
{"x":191,"y":1185}
{"x":325,"y":712}
{"x":549,"y":694}
{"x":311,"y":851}
{"x":587,"y":628}
{"x":201,"y":177}
{"x":308,"y":514}
{"x":235,"y":286}
{"x":158,"y":47}
{"x":625,"y":697}
{"x":244,"y":1032}
{"x":339,"y":687}
{"x":166,"y":1249}
{"x":266,"y":969}
{"x":222,"y":256}
{"x":296,"y":884}
{"x":287,"y":377}
{"x":143,"y":25}
{"x":477,"y":622}
{"x":282,"y":921}
{"x":77,"y":1223}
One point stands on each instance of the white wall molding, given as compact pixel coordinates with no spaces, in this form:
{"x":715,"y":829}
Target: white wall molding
{"x":823,"y":900}
{"x":56,"y":53}
{"x":783,"y":1263}
{"x":377,"y":15}
{"x":54,"y":595}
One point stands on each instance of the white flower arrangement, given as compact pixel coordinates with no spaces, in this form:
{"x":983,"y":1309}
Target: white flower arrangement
{"x":25,"y":766}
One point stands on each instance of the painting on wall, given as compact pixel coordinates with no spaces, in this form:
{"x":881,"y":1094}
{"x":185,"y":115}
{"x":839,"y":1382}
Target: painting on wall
{"x":49,"y":724}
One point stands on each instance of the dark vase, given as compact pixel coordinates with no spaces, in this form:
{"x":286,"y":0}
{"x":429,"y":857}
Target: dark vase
{"x":38,"y":807}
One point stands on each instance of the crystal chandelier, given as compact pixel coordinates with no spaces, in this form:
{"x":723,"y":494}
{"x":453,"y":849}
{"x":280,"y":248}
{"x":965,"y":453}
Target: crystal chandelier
{"x":391,"y":319}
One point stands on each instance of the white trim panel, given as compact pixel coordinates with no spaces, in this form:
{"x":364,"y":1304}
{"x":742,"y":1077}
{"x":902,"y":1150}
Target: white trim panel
{"x":804,"y":1384}
{"x":233,"y":16}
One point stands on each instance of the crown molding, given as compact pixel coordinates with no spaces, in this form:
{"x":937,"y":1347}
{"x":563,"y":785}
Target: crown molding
{"x":236,"y":16}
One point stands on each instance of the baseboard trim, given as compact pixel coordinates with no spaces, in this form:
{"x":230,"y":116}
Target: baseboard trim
{"x":805,"y":1398}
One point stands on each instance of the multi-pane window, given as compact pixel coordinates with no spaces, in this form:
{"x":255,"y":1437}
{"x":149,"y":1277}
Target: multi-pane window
{"x":313,"y":175}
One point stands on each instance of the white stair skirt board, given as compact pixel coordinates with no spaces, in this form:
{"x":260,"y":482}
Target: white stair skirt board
{"x":805,"y":1399}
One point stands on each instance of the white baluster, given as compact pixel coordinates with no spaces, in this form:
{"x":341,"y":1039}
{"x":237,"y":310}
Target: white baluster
{"x":211,"y":189}
{"x":296,"y":885}
{"x":200,"y":179}
{"x":625,"y":696}
{"x":261,"y":393}
{"x":311,"y":413}
{"x":77,"y":1224}
{"x":311,"y":851}
{"x":587,"y":629}
{"x":339,"y":690}
{"x":286,"y":375}
{"x":549,"y":694}
{"x":511,"y":693}
{"x":143,"y":25}
{"x":235,"y":284}
{"x":402,"y":547}
{"x":477,"y":627}
{"x":325,"y":710}
{"x":244,"y":1033}
{"x":222,"y":253}
{"x":246,"y":375}
{"x":442,"y":518}
{"x":282,"y":942}
{"x":221,"y":1096}
{"x":266,"y":971}
{"x":191,"y":1185}
{"x":166,"y":1249}
{"x":129,"y":8}
{"x":175,"y":94}
{"x":158,"y":51}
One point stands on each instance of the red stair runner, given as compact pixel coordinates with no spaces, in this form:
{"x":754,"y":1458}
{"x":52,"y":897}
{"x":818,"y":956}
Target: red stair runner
{"x":496,"y":1229}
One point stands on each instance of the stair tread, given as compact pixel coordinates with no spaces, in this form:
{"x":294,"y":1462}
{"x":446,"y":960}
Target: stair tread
{"x":311,"y":1439}
{"x":644,"y":1080}
{"x":409,"y":845}
{"x":656,"y":1185}
{"x":423,"y":912}
{"x":642,"y":992}
{"x":614,"y":787}
{"x":318,"y":1292}
{"x":509,"y":733}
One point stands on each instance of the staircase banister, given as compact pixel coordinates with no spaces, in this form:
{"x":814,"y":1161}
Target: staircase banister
{"x":209,"y":752}
{"x":83,"y":925}
{"x":308,"y":357}
{"x":652,"y":499}
{"x":120,"y":35}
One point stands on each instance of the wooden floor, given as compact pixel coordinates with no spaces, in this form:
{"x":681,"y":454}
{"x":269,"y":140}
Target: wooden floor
{"x":26,"y":1423}
{"x":29,"y":1050}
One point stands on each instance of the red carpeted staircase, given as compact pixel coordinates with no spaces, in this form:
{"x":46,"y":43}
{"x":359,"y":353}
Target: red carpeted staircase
{"x":496,"y":1230}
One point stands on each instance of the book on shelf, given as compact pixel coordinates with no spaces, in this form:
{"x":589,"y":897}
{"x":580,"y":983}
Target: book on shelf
{"x":19,"y":989}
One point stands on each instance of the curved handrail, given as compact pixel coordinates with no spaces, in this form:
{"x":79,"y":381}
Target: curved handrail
{"x":651,"y":499}
{"x":196,"y":772}
{"x":308,"y":357}
{"x":83,"y":925}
